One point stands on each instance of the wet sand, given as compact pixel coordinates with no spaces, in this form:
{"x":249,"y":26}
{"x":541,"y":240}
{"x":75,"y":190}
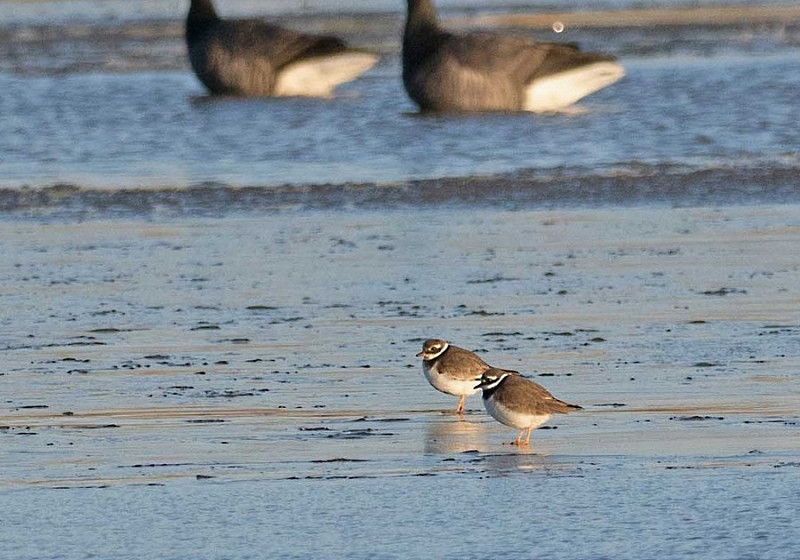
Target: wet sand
{"x":707,"y":16}
{"x":233,"y":383}
{"x":277,"y":346}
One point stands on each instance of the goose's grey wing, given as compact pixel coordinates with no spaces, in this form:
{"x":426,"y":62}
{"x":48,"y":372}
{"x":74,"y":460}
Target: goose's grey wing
{"x":253,"y":39}
{"x":561,"y":57}
{"x":489,"y":54}
{"x":245,"y":56}
{"x":520,"y":58}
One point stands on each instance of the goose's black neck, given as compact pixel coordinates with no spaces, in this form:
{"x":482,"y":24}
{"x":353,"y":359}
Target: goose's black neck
{"x":421,"y":16}
{"x":421,"y":35}
{"x":201,"y":15}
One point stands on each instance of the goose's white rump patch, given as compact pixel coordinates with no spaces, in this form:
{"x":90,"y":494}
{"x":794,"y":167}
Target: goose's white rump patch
{"x":561,"y":90}
{"x":318,"y":77}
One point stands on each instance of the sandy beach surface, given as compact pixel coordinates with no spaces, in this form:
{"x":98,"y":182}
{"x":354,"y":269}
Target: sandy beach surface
{"x":256,"y":376}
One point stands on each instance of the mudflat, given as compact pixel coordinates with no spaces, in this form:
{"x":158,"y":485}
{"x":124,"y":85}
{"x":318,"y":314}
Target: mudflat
{"x":191,"y":367}
{"x":235,"y":347}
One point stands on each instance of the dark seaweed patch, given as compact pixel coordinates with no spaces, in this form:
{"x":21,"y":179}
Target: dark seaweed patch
{"x":227,"y":394}
{"x":696,"y":418}
{"x":370,"y":419}
{"x":724,"y":292}
{"x":358,"y":434}
{"x":484,"y":313}
{"x":339,"y":460}
{"x":492,"y":280}
{"x":286,"y":320}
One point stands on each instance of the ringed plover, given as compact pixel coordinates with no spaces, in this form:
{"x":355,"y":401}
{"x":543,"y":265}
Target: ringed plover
{"x":451,"y":369}
{"x":519,"y":402}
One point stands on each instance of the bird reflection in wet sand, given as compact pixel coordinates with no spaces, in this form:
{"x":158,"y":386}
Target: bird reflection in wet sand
{"x":445,"y":436}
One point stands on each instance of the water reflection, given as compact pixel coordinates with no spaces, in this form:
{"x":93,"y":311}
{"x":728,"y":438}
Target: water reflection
{"x":518,"y":459}
{"x":451,"y":434}
{"x":484,"y":450}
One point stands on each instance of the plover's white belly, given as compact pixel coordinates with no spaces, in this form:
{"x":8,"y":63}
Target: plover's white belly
{"x":447,"y":384}
{"x":514,"y":418}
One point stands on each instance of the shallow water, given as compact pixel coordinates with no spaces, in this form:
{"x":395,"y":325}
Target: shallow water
{"x":128,"y":130}
{"x":547,"y":513}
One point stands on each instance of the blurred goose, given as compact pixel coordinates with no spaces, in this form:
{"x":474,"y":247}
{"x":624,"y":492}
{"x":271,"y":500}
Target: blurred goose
{"x":255,"y":58}
{"x":443,"y":71}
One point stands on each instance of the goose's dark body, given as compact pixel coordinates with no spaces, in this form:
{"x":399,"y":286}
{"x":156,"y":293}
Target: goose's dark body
{"x":250,"y":56}
{"x":443,"y":71}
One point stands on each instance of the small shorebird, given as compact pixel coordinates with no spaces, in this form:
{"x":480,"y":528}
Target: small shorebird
{"x":253,"y":58}
{"x":443,"y":71}
{"x":451,"y":369}
{"x":518,"y":402}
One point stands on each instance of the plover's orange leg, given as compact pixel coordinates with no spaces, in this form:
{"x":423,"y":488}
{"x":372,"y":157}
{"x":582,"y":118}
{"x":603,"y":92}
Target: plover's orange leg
{"x":460,"y":407}
{"x":528,"y":439}
{"x":518,"y":442}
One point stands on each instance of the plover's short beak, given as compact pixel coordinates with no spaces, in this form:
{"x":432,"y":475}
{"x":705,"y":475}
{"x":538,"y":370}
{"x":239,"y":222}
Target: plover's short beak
{"x":479,"y":385}
{"x":419,"y":355}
